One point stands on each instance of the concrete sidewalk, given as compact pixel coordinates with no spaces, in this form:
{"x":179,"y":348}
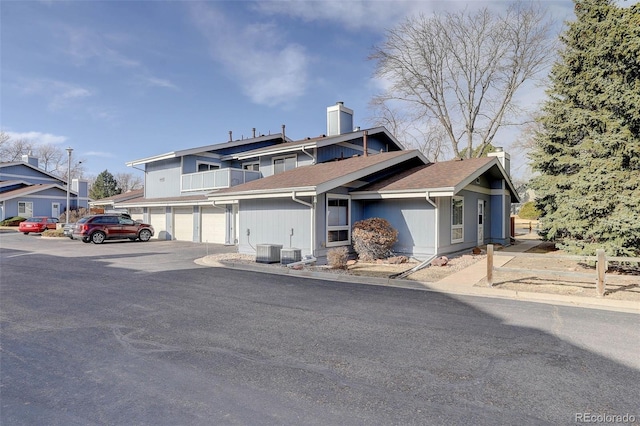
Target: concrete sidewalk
{"x":461,"y":283}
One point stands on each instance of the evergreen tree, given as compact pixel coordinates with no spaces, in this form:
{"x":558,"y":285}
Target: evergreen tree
{"x":104,"y":186}
{"x":588,"y":151}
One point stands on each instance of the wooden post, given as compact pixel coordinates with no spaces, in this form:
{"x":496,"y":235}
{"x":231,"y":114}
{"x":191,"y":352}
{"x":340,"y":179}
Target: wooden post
{"x":490,"y":265}
{"x":601,"y":269}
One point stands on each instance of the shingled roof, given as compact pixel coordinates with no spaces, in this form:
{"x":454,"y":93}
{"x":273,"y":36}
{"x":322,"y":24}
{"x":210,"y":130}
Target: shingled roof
{"x":450,"y":176}
{"x":329,"y":175}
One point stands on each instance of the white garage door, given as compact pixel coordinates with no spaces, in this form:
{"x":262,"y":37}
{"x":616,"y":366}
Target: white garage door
{"x":183,"y":224}
{"x":213,"y":225}
{"x":158,"y":220}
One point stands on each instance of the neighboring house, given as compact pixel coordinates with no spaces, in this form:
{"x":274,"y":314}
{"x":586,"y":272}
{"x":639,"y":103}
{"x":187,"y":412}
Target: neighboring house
{"x":109,"y":203}
{"x":308,"y":194}
{"x":26,"y":190}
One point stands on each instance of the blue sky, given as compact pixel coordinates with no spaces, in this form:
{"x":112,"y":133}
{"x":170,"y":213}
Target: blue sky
{"x":123,"y":80}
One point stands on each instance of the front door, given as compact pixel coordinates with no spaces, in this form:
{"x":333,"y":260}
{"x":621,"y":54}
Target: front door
{"x":480,"y":222}
{"x":55,"y":210}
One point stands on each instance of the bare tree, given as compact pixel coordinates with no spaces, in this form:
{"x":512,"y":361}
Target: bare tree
{"x":463,"y":69}
{"x":51,"y":159}
{"x":426,"y":137}
{"x":13,"y":149}
{"x":128,"y":181}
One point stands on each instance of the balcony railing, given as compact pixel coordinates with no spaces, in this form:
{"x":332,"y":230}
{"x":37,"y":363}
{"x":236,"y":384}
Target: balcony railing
{"x":217,"y":179}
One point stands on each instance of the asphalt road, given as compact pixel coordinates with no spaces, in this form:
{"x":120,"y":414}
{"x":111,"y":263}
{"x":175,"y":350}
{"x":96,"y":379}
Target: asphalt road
{"x":136,"y":333}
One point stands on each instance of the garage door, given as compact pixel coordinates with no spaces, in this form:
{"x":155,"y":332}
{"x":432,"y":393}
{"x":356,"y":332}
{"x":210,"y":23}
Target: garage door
{"x":158,"y":220}
{"x":213,"y":225}
{"x":183,"y":224}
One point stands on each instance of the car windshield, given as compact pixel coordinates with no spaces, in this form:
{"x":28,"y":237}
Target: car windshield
{"x":34,"y":219}
{"x":83,"y":220}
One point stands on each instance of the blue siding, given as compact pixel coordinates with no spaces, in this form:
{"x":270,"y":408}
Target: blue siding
{"x":23,"y":172}
{"x":163,"y":179}
{"x":270,"y":221}
{"x":414,"y":220}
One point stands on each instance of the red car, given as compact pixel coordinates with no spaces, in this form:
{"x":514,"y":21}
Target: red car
{"x":37,"y":224}
{"x":98,"y":228}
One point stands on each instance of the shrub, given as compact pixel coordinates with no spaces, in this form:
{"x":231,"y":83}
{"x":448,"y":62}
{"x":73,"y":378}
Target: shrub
{"x":529,"y":211}
{"x":13,"y":221}
{"x":373,"y":238}
{"x":338,"y":257}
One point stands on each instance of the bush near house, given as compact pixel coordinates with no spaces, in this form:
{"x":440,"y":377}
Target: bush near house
{"x":13,"y":221}
{"x":528,"y":211}
{"x":337,"y":257}
{"x":373,"y":238}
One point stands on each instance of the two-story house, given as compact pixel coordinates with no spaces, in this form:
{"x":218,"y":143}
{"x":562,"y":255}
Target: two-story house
{"x":27,"y":190}
{"x":308,"y":193}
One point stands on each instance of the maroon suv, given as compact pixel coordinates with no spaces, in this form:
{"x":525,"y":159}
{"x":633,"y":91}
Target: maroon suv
{"x":101,"y":227}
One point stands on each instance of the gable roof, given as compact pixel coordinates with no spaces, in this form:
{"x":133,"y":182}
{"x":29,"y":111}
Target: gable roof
{"x":31,"y":189}
{"x":318,"y":178}
{"x":446,"y":177}
{"x":317,"y":142}
{"x":31,"y":166}
{"x":206,"y":149}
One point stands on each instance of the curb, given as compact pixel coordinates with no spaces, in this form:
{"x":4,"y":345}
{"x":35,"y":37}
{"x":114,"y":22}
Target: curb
{"x":440,"y":287}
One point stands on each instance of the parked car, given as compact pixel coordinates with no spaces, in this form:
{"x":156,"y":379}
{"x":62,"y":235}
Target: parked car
{"x":67,"y":230}
{"x":101,"y":227}
{"x":37,"y":224}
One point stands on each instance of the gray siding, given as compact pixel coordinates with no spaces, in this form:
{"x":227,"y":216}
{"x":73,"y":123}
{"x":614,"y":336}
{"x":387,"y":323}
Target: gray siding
{"x":163,"y":179}
{"x":270,"y":221}
{"x":413,"y":219}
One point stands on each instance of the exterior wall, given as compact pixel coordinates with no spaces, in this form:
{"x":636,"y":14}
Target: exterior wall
{"x":42,"y":203}
{"x":163,"y":179}
{"x":22,"y":172}
{"x":270,"y":221}
{"x":414,"y":220}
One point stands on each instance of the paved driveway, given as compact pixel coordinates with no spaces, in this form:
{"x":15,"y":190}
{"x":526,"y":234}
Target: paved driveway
{"x":135,"y":333}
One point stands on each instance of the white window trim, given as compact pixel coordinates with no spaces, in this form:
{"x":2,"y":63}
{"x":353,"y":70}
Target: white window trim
{"x":25,"y":208}
{"x":282,"y":157}
{"x":250,"y":163}
{"x":346,"y":227}
{"x":460,"y":226}
{"x":198,"y":162}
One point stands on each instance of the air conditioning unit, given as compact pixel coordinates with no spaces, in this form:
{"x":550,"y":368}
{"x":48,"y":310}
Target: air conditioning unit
{"x":290,"y":255}
{"x":268,"y":253}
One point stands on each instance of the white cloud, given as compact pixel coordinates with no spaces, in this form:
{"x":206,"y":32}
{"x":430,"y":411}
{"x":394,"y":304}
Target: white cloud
{"x":85,"y":45}
{"x":159,"y":82}
{"x":270,"y":70}
{"x":59,"y":94}
{"x":38,"y":138}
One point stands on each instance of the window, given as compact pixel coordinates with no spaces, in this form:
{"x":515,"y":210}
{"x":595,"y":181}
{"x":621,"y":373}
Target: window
{"x":338,"y":220}
{"x":203,"y":167}
{"x":457,"y":219}
{"x":25,"y":209}
{"x":255,"y":166}
{"x":283,"y":164}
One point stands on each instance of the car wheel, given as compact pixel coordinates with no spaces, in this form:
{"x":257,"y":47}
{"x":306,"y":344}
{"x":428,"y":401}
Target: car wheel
{"x":25,"y":233}
{"x":98,"y":237}
{"x":86,"y":240}
{"x":144,"y":235}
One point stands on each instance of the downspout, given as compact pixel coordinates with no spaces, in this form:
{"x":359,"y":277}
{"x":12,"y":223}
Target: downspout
{"x":428,"y":261}
{"x":310,"y":155}
{"x":436,"y":220}
{"x":312,"y":211}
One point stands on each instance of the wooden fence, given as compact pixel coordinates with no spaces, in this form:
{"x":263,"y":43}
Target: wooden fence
{"x":600,"y":272}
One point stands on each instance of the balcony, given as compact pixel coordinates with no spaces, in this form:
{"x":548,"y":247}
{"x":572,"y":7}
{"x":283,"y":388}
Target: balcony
{"x":216,"y":179}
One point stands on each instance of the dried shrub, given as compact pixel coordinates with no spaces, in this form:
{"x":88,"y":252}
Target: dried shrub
{"x":338,"y":257}
{"x":373,"y":238}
